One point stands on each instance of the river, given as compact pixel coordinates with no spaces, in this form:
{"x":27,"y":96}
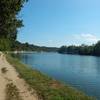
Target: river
{"x":81,"y":72}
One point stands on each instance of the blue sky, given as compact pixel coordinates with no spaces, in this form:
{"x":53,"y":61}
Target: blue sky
{"x":60,"y":22}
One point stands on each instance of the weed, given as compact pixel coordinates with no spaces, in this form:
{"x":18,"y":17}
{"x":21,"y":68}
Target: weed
{"x":12,"y":92}
{"x":4,"y":70}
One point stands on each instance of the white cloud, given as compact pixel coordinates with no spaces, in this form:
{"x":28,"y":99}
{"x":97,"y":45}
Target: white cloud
{"x":86,"y":38}
{"x":89,"y":37}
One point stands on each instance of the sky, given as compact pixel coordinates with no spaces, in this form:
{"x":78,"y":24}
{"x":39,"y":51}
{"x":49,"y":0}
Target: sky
{"x":55,"y":23}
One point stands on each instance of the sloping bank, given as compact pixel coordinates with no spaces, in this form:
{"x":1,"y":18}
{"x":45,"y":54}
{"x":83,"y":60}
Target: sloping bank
{"x":46,"y":87}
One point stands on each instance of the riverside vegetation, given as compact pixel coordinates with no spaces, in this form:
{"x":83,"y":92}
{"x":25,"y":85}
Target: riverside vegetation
{"x":46,"y":87}
{"x":81,"y":50}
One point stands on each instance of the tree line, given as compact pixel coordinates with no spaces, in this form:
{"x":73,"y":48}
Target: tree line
{"x":81,"y":50}
{"x":18,"y":46}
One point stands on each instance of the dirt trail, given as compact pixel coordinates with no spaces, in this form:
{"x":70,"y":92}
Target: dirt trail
{"x":12,"y":76}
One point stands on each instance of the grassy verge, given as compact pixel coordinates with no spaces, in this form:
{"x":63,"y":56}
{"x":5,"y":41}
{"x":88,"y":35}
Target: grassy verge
{"x":46,"y":88}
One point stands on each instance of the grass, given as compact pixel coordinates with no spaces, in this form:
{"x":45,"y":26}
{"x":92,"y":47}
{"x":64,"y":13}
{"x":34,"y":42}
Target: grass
{"x":12,"y":92}
{"x":46,"y":87}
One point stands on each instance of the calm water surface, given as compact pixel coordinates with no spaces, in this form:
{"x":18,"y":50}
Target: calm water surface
{"x":82,"y":72}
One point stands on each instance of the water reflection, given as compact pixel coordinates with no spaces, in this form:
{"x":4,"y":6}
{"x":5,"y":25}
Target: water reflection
{"x":82,"y":72}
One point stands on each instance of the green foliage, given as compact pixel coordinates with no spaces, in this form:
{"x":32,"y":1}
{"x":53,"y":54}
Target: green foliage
{"x":9,"y":20}
{"x":86,"y":50}
{"x":5,"y":44}
{"x":97,"y":49}
{"x":46,"y":88}
{"x":81,"y":50}
{"x":30,"y":47}
{"x":62,"y":49}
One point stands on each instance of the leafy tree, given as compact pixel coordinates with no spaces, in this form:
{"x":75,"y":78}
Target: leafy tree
{"x":9,"y":20}
{"x":4,"y":44}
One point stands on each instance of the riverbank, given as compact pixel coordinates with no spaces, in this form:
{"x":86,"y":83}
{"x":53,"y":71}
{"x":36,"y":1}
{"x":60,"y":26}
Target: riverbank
{"x":46,"y":88}
{"x":12,"y":87}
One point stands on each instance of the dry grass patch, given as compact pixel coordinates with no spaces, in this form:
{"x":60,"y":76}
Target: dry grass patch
{"x":4,"y":70}
{"x":12,"y":92}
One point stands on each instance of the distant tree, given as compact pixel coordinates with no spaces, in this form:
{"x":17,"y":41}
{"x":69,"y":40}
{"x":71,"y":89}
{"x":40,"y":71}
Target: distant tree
{"x":72,"y":49}
{"x":63,"y":49}
{"x":96,"y":50}
{"x":81,"y":50}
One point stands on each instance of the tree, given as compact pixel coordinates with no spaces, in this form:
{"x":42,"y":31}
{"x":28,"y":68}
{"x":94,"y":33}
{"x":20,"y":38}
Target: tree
{"x":81,"y":50}
{"x":9,"y":20}
{"x":96,"y":50}
{"x":63,"y":49}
